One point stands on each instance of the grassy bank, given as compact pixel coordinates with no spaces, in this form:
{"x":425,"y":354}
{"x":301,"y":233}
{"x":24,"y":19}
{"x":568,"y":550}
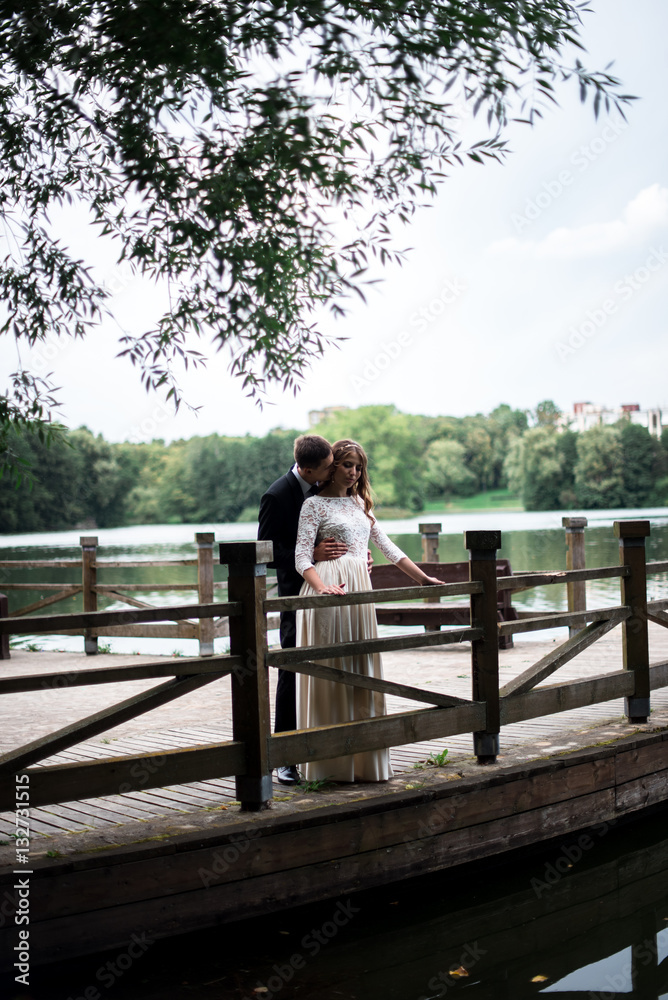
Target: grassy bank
{"x":489,"y":500}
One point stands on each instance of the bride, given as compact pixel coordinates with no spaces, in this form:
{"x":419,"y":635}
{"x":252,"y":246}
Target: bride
{"x":343,"y":510}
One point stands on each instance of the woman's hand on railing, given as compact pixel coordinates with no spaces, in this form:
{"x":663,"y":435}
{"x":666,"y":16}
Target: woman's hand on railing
{"x":332,"y":588}
{"x":312,"y":578}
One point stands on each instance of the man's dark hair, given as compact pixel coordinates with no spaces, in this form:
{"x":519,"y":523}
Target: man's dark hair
{"x":311,"y":450}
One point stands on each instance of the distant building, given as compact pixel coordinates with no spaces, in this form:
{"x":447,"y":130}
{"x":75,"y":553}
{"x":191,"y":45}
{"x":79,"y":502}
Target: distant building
{"x":317,"y":416}
{"x":587,"y":415}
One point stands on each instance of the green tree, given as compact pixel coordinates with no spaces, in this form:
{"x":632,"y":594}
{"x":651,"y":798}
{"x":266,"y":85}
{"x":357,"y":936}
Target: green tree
{"x":543,"y":469}
{"x":547,"y":414}
{"x":436,"y":428}
{"x":157,"y":497}
{"x":104,"y":480}
{"x":210,"y":479}
{"x":664,"y":439}
{"x":513,"y":466}
{"x":659,"y":494}
{"x":66,"y":488}
{"x":599,"y":475}
{"x":446,"y":472}
{"x":394,"y":443}
{"x":16,"y":501}
{"x":641,"y":463}
{"x":253,"y":155}
{"x":568,"y":446}
{"x":537,"y":470}
{"x":479,"y":452}
{"x":504,"y":425}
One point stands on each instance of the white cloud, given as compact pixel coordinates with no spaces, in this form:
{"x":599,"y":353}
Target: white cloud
{"x":643,"y":215}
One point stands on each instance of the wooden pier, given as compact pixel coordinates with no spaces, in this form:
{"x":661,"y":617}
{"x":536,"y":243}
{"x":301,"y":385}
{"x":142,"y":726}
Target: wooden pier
{"x":174,"y":837}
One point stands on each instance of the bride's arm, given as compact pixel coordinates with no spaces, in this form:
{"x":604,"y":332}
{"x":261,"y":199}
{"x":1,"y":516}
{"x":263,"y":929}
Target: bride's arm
{"x":410,"y":569}
{"x":395,"y":555}
{"x":314,"y":581}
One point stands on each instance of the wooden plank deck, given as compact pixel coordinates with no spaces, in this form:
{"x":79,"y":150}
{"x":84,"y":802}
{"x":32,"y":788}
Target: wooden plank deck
{"x":205,"y":717}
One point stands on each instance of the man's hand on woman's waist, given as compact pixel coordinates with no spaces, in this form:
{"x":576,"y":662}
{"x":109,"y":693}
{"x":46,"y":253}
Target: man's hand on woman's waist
{"x":329,"y":548}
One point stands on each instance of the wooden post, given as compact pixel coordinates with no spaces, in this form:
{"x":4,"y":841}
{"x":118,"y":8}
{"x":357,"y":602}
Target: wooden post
{"x":89,"y":580}
{"x":247,"y":582}
{"x":205,"y":541}
{"x":645,"y":959}
{"x":4,"y":639}
{"x":429,"y":534}
{"x":635,"y":638}
{"x":482,"y":546}
{"x":575,"y":559}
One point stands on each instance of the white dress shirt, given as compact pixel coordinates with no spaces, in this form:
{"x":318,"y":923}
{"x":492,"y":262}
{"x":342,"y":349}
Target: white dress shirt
{"x":302,"y":482}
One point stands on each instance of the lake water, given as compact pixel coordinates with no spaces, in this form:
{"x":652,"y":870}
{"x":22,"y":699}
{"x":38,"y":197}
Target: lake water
{"x":583,"y":919}
{"x":530,"y":540}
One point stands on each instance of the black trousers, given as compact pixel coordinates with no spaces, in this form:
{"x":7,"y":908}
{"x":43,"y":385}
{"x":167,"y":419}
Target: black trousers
{"x":285,"y":716}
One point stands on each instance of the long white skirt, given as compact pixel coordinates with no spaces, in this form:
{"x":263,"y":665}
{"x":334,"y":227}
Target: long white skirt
{"x":324,"y":703}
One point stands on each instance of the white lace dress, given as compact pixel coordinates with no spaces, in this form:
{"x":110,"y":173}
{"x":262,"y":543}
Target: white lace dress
{"x":324,"y":703}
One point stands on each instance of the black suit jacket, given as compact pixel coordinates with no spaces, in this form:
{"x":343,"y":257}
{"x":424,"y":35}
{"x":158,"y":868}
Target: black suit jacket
{"x":278,"y":522}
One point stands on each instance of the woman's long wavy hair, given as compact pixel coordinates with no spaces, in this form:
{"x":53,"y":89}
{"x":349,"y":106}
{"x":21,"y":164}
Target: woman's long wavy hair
{"x":362,"y":488}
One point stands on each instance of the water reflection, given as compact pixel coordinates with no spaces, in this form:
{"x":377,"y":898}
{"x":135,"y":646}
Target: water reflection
{"x":587,"y":918}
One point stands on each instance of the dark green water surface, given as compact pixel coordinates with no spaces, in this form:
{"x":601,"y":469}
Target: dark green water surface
{"x":584,"y":919}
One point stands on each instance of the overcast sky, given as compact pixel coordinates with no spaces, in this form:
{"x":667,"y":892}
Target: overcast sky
{"x":542,"y":278}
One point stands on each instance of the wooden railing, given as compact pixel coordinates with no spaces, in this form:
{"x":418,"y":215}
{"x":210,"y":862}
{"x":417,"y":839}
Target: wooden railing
{"x":254,"y":752}
{"x":90,"y":565}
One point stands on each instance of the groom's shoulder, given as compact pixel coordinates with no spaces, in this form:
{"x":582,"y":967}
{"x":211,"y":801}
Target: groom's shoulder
{"x":281,"y":485}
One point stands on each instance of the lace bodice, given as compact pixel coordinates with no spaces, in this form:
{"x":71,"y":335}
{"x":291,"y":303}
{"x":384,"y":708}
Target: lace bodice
{"x":342,"y":518}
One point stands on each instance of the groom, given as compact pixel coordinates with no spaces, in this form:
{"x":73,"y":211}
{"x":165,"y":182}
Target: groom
{"x":278,"y":521}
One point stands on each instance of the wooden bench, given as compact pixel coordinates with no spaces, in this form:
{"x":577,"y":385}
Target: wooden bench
{"x":434,"y":614}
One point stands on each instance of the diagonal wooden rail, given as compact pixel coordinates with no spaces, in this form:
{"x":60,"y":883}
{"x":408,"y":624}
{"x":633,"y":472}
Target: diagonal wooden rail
{"x":556,"y":658}
{"x":253,"y":751}
{"x":99,"y":722}
{"x":375,"y":684}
